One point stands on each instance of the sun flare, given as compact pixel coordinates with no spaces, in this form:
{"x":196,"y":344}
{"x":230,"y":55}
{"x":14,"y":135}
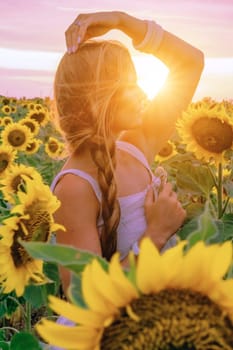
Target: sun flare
{"x":151,"y":73}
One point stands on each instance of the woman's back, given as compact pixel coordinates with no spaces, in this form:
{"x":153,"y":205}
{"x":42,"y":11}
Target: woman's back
{"x":131,"y":195}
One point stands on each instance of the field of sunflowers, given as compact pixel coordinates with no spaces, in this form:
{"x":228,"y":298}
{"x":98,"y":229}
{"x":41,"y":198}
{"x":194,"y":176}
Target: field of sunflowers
{"x":181,"y":299}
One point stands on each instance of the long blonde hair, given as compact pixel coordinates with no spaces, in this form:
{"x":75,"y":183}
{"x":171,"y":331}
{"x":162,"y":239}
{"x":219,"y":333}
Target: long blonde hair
{"x":85,"y":89}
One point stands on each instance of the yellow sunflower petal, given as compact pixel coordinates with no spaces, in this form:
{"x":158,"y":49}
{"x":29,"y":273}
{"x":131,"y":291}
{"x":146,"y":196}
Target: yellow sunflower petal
{"x":93,"y":297}
{"x":216,"y":260}
{"x":70,"y":338}
{"x":223,"y":295}
{"x":122,"y":284}
{"x":149,"y":256}
{"x":105,"y":285}
{"x":220,"y":261}
{"x":192,"y":268}
{"x":172,"y":258}
{"x":76,"y":314}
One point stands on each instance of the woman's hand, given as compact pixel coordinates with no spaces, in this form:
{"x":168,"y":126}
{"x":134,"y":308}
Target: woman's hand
{"x":164,"y":216}
{"x":90,"y":25}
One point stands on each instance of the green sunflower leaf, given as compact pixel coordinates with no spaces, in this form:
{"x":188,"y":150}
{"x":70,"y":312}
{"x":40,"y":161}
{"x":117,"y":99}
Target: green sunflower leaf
{"x":225,"y":227}
{"x":73,"y":259}
{"x":4,"y":345}
{"x":206,"y":230}
{"x":24,"y":340}
{"x":75,"y":291}
{"x":37,"y":295}
{"x":194,"y":179}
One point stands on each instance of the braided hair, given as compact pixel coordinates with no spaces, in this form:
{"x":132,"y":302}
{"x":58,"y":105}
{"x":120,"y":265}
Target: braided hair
{"x":84,"y":87}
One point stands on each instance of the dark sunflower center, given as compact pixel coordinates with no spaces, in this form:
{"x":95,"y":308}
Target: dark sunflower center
{"x":18,"y":253}
{"x":4,"y":161}
{"x":166,"y":150}
{"x":7,"y":121}
{"x":31,"y":146}
{"x":16,"y":138}
{"x":39,"y":117}
{"x":5,"y":101}
{"x":7,"y":109}
{"x":171,"y":320}
{"x":213,"y":134}
{"x":38,"y":228}
{"x":30,"y":126}
{"x":17,"y":183}
{"x":53,"y":146}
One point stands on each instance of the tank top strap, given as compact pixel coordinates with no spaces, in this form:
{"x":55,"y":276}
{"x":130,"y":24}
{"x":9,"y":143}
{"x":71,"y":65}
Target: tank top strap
{"x":82,"y":174}
{"x":133,"y":151}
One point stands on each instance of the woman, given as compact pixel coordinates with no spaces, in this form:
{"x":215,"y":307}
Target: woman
{"x":110,"y":199}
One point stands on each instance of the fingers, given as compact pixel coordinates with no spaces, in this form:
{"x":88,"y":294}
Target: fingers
{"x":149,"y":199}
{"x":167,"y":189}
{"x":75,"y":34}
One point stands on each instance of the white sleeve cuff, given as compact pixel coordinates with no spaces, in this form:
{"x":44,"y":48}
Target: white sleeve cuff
{"x":152,"y":39}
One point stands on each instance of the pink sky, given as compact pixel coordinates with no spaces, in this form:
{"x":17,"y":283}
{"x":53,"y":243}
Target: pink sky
{"x":29,"y":26}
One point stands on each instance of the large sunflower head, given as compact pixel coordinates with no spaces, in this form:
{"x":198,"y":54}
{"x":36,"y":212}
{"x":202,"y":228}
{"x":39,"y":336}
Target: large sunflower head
{"x":13,"y":181}
{"x":32,"y":220}
{"x":17,"y":268}
{"x":7,"y":157}
{"x":175,"y":300}
{"x":16,"y":136}
{"x":207,"y":130}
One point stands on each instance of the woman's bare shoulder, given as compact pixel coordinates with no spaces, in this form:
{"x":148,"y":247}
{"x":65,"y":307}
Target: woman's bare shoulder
{"x":77,"y":190}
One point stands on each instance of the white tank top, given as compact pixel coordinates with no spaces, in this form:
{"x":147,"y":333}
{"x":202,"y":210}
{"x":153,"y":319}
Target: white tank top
{"x":132,"y":223}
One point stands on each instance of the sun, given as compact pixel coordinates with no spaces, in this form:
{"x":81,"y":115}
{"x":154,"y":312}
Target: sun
{"x":151,"y":73}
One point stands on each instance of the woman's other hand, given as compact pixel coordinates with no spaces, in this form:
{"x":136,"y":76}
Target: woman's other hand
{"x":164,"y":216}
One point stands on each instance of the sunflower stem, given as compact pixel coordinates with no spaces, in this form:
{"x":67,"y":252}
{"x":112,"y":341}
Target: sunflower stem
{"x":213,"y":176}
{"x":225,"y":205}
{"x":28,"y":316}
{"x":219,"y":189}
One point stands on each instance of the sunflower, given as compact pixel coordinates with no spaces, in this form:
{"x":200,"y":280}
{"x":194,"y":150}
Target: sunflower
{"x":33,"y":222}
{"x":7,"y":120}
{"x":36,"y":200}
{"x":13,"y":109}
{"x":4,"y":100}
{"x":207,"y":130}
{"x":41,"y":117}
{"x":33,"y":146}
{"x":54,"y":147}
{"x":39,"y":107}
{"x":17,"y":136}
{"x":173,"y":300}
{"x":166,"y":152}
{"x":13,"y":180}
{"x":7,"y":157}
{"x":31,"y":105}
{"x":13,"y":100}
{"x":32,"y":124}
{"x":16,"y":266}
{"x":6,"y":110}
